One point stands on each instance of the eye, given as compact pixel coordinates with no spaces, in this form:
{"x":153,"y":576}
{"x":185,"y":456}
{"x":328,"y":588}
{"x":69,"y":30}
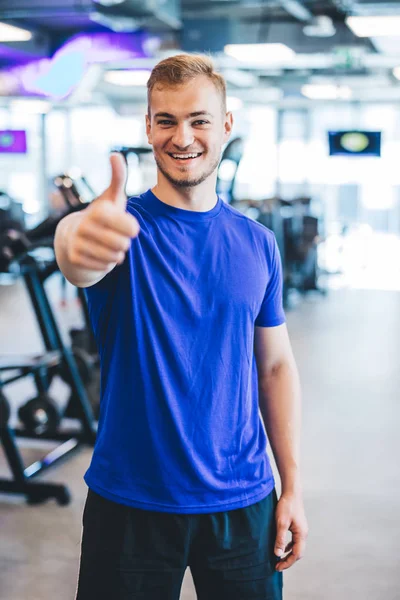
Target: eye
{"x":201,"y":122}
{"x":164,"y":122}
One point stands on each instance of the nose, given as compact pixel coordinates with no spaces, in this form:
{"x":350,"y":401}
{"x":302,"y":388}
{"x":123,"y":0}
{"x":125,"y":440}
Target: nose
{"x":183,"y":136}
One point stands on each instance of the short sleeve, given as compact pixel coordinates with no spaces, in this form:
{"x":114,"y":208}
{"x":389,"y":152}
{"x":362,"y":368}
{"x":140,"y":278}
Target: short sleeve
{"x":271,"y":312}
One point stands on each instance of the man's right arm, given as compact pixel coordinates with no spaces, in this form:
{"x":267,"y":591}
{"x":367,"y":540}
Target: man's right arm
{"x":88,"y":244}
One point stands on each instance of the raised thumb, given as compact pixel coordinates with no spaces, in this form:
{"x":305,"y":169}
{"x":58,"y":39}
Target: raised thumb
{"x":119,"y":173}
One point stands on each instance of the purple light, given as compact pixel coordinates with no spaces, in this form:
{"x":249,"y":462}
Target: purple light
{"x":58,"y":76}
{"x":105,"y":47}
{"x":14,"y":55}
{"x":13,"y":141}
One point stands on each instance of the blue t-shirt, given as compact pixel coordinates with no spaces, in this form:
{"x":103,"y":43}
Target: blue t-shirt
{"x":180,"y":429}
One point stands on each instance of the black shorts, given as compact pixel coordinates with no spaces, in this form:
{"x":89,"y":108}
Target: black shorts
{"x":134,"y":554}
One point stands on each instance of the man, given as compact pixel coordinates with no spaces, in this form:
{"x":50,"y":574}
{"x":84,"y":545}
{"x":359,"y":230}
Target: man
{"x":185,"y":298}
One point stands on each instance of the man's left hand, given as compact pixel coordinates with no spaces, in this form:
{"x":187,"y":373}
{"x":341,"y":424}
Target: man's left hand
{"x":290,"y":516}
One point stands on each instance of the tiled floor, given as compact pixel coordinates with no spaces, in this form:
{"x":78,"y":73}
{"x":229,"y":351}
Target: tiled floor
{"x":347,"y":347}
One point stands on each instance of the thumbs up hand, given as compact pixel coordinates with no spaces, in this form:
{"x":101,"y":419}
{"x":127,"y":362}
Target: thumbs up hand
{"x":103,"y":232}
{"x":119,"y":173}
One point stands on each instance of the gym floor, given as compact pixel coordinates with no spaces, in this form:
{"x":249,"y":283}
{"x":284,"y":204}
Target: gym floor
{"x":347,"y":347}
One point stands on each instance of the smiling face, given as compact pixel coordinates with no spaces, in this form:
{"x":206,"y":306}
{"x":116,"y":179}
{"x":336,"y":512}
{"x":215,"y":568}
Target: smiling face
{"x":187,"y":127}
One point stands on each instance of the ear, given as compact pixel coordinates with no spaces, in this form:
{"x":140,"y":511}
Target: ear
{"x":148,"y":129}
{"x":228,"y":125}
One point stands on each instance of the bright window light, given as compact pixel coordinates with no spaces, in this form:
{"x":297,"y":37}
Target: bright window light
{"x":30,"y":107}
{"x":396,"y":72}
{"x":9,"y":33}
{"x":294,"y":162}
{"x":326,"y":92}
{"x":24,"y":186}
{"x":127,"y":78}
{"x":376,"y":196}
{"x":31,"y":206}
{"x":260,"y":53}
{"x":227,"y":169}
{"x":233,"y":103}
{"x":374,"y":26}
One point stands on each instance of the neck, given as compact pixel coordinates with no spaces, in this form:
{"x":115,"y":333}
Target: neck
{"x":200,"y":198}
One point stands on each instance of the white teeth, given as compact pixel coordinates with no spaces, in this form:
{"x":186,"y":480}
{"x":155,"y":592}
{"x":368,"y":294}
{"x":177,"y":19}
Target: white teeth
{"x":185,"y":155}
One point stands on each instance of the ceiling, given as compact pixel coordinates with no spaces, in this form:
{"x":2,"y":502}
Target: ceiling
{"x":366,"y":64}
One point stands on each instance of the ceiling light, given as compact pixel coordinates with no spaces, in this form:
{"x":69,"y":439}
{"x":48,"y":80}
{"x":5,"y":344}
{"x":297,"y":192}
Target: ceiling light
{"x":119,"y":24}
{"x":326,"y":92}
{"x":296,"y":9}
{"x":321,"y":27}
{"x":239,"y":78}
{"x":260,"y":53}
{"x":108,"y":2}
{"x":233,"y":103}
{"x":9,"y":33}
{"x":374,"y":26}
{"x":30,"y":107}
{"x":396,"y":72}
{"x":127,"y":77}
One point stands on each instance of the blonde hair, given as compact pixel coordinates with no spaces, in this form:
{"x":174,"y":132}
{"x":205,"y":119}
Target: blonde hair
{"x":179,"y":69}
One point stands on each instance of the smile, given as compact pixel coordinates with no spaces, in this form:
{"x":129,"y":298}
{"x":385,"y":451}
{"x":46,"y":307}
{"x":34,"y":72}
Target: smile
{"x":185,"y":156}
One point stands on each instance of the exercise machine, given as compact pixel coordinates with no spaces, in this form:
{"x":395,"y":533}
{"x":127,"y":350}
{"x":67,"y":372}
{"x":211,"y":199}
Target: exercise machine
{"x":41,"y":417}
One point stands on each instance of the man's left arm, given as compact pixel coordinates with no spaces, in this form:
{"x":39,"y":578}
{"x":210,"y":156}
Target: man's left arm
{"x":280,"y":406}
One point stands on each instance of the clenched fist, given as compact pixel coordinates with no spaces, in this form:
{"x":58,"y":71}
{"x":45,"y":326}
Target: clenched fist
{"x":100,"y":238}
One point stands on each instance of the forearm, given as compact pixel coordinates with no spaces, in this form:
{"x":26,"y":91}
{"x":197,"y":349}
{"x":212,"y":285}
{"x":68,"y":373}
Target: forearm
{"x":280,"y":406}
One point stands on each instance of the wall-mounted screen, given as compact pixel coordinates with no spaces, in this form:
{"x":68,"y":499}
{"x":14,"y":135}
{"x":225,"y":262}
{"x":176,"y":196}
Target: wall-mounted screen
{"x":13,"y":141}
{"x":355,"y":143}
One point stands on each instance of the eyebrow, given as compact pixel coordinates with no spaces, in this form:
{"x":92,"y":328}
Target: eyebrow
{"x":198,"y":113}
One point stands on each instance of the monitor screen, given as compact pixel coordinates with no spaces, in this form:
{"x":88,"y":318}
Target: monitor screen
{"x":13,"y":141}
{"x":355,"y":143}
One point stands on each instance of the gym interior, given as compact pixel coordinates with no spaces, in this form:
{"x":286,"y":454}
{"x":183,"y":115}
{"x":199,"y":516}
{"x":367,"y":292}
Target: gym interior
{"x":314,"y":88}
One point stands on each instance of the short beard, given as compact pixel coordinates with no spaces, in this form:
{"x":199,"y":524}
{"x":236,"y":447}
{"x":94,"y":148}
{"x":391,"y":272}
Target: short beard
{"x":187,"y":183}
